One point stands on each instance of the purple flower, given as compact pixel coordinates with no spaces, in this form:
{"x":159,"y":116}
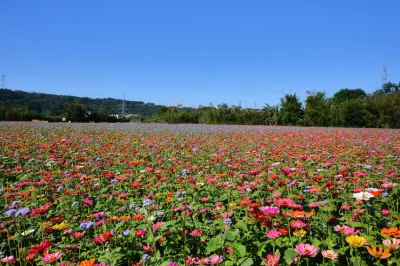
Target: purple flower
{"x":147,"y":202}
{"x":15,"y":202}
{"x":86,"y":225}
{"x":228,"y":221}
{"x":22,"y":211}
{"x":146,"y":256}
{"x":11,"y":212}
{"x":126,"y":232}
{"x":368,"y":167}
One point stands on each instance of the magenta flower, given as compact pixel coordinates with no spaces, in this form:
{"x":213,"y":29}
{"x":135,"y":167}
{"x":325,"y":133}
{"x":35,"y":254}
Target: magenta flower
{"x":51,"y":258}
{"x":272,"y":260}
{"x":306,"y":250}
{"x":270,"y":211}
{"x":216,"y":259}
{"x":297,"y":224}
{"x":273,"y":234}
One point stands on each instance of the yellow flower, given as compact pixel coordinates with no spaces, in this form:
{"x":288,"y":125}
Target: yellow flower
{"x":40,"y":196}
{"x":60,"y":226}
{"x":300,"y":233}
{"x":356,"y":241}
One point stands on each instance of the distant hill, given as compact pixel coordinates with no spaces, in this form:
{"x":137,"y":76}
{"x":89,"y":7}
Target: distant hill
{"x":52,"y":104}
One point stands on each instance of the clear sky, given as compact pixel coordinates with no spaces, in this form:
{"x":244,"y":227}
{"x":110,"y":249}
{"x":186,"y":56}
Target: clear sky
{"x":198,"y":51}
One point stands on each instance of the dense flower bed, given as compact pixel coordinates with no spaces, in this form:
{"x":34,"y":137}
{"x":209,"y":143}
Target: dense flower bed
{"x":198,"y":195}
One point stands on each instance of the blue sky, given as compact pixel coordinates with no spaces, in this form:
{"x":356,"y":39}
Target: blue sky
{"x":198,"y":51}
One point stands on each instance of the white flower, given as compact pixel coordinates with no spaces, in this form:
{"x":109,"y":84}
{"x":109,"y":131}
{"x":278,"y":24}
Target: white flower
{"x":362,"y":196}
{"x":150,"y":218}
{"x":27,"y":232}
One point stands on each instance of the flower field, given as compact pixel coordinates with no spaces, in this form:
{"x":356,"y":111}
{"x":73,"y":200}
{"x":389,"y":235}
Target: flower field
{"x":103,"y":194}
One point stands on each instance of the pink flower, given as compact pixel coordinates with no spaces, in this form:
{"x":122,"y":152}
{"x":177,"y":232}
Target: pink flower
{"x":270,"y":211}
{"x":297,"y":224}
{"x":227,"y":214}
{"x":173,"y":264}
{"x":157,"y":225}
{"x":393,"y":244}
{"x":350,"y":230}
{"x":196,"y":232}
{"x":272,"y":260}
{"x":8,"y":260}
{"x":306,"y":250}
{"x":273,"y":234}
{"x":216,"y":259}
{"x":385,"y":212}
{"x":51,"y":258}
{"x":284,"y":202}
{"x":204,"y":199}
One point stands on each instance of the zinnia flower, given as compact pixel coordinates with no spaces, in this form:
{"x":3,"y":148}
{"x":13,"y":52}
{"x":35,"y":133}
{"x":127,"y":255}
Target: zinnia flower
{"x":8,"y":260}
{"x":300,"y":233}
{"x":51,"y":258}
{"x":393,"y":244}
{"x":297,"y":224}
{"x":60,"y":226}
{"x":216,"y":259}
{"x":380,"y":254}
{"x":272,"y":260}
{"x":356,"y":241}
{"x":306,"y":250}
{"x":87,"y":262}
{"x":270,"y":211}
{"x":362,"y":196}
{"x":273,"y":234}
{"x":329,"y":254}
{"x":392,"y":231}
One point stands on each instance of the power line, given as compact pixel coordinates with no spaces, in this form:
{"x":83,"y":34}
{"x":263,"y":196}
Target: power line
{"x":384,"y":75}
{"x":123,"y":106}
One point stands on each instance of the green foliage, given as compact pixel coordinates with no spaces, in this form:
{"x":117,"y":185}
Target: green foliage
{"x":317,"y":110}
{"x":291,"y":112}
{"x":347,"y":108}
{"x":51,"y":104}
{"x":348,"y":94}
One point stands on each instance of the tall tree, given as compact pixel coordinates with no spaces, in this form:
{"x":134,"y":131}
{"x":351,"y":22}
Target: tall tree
{"x":348,"y":94}
{"x":75,"y":111}
{"x":316,"y":111}
{"x":291,"y":112}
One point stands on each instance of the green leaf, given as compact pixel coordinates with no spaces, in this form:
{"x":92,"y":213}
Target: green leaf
{"x":329,"y":242}
{"x":241,"y":225}
{"x":168,"y":224}
{"x":214,"y":244}
{"x":239,"y":249}
{"x":289,"y":256}
{"x":247,"y":262}
{"x":316,"y":242}
{"x":232,"y":236}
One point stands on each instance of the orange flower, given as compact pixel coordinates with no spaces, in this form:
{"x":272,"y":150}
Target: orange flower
{"x":380,"y":254}
{"x":283,"y":231}
{"x":301,"y":214}
{"x":123,"y":218}
{"x":87,"y":262}
{"x":392,"y":231}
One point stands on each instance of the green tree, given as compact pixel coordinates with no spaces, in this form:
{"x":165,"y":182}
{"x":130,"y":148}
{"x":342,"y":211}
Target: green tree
{"x":271,"y":114}
{"x":348,"y":94}
{"x":317,"y":109}
{"x":75,"y":111}
{"x":291,"y":111}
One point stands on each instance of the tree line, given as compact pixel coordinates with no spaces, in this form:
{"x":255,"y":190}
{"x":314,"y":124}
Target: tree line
{"x":346,"y":108}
